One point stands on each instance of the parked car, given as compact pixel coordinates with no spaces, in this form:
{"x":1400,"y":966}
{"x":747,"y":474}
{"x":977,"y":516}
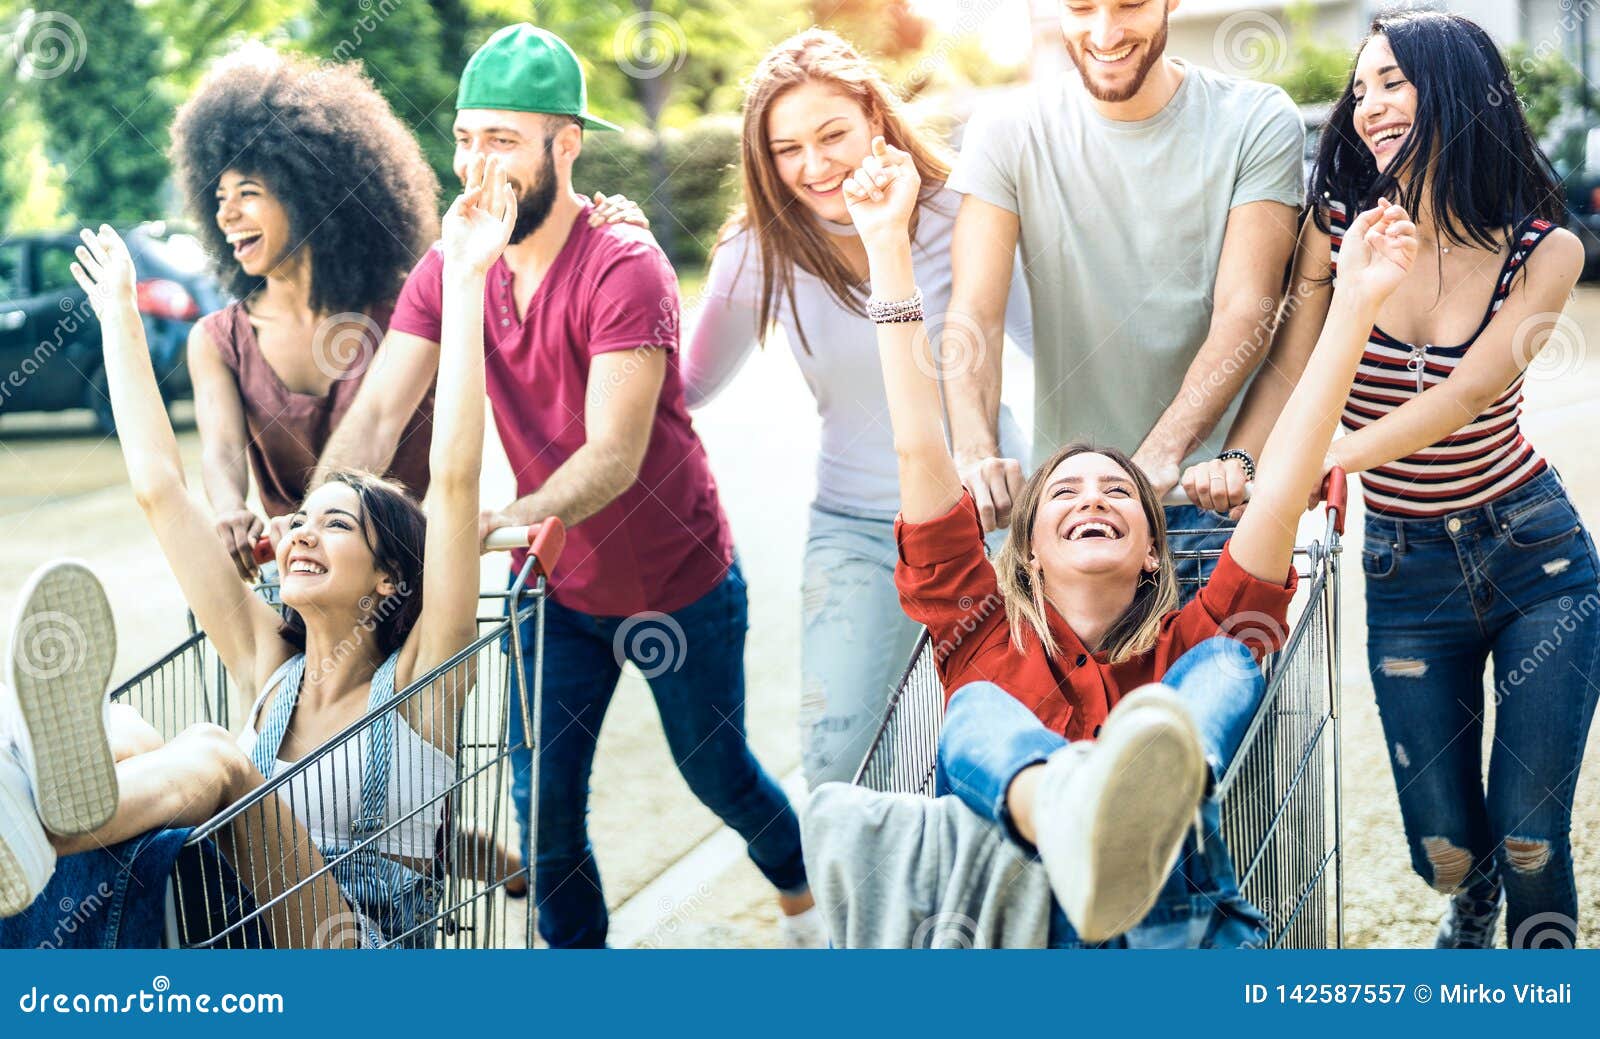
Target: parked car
{"x":50,"y":357}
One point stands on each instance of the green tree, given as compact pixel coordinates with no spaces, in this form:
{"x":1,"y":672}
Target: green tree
{"x":1546,"y":83}
{"x":100,"y":95}
{"x":402,"y":46}
{"x":1311,"y":72}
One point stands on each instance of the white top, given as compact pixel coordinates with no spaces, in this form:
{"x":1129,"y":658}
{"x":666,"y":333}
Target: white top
{"x":856,"y":469}
{"x":326,"y":797}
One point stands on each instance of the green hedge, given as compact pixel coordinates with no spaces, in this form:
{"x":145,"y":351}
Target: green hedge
{"x":702,"y":181}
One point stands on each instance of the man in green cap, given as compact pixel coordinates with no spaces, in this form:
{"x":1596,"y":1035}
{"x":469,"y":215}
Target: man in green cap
{"x":581,"y":356}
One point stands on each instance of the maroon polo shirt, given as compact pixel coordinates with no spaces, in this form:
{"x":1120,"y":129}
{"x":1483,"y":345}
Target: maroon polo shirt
{"x":664,"y":542}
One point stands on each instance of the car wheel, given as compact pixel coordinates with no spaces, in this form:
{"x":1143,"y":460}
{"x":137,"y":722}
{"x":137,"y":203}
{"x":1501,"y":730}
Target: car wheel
{"x":99,"y":402}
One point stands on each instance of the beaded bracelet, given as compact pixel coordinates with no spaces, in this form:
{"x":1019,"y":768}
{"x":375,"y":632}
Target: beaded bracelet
{"x":892,"y":312}
{"x":1244,"y":459}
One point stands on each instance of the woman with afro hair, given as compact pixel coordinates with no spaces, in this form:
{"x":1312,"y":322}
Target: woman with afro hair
{"x":313,"y":201}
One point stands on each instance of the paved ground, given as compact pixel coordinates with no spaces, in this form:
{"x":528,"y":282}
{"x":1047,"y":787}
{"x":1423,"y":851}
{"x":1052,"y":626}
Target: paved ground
{"x":63,"y":493}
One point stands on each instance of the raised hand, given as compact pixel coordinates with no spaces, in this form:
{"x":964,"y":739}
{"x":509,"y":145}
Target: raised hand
{"x":478,"y":224}
{"x":104,"y":271}
{"x":882,"y":193}
{"x":1378,"y":250}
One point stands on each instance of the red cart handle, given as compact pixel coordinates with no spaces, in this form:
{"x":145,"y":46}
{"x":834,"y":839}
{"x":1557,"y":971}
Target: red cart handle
{"x":1335,"y":491}
{"x":543,"y":540}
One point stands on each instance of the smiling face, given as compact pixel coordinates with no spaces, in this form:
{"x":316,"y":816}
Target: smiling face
{"x":536,"y":151}
{"x":816,"y":137}
{"x":1115,"y":43}
{"x":325,"y":562}
{"x":253,"y":221}
{"x":1386,"y":101}
{"x":1090,"y":521}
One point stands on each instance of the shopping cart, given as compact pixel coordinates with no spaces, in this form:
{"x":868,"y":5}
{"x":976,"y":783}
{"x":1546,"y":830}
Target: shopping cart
{"x":1280,"y":795}
{"x":245,"y":879}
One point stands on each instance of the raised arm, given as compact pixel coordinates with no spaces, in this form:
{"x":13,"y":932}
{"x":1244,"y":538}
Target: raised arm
{"x":1375,"y":255}
{"x":982,"y":254}
{"x":1256,"y":248}
{"x":240,"y":625}
{"x":1220,"y":485}
{"x":224,"y":469}
{"x":881,"y":196}
{"x":1519,"y":330}
{"x":475,"y":231}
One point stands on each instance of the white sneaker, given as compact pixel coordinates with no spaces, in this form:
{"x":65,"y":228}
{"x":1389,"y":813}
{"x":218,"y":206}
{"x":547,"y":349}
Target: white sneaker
{"x":1110,"y":816}
{"x":26,"y":858}
{"x":63,"y":642}
{"x":805,"y":930}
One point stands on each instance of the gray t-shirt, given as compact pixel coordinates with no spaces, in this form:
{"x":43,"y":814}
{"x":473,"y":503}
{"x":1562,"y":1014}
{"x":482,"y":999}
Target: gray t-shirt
{"x":1121,"y":233}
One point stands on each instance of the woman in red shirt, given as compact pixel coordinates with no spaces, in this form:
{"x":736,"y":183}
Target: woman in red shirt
{"x":1079,"y":607}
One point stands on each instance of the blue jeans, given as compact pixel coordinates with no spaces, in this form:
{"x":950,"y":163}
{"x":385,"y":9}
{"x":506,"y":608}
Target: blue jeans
{"x":989,"y":737}
{"x":1516,"y":580}
{"x":855,"y":641}
{"x":693,"y":659}
{"x":1211,"y":531}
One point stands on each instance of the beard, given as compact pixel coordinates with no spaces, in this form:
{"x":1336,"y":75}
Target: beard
{"x":1154,"y":47}
{"x":534,"y":202}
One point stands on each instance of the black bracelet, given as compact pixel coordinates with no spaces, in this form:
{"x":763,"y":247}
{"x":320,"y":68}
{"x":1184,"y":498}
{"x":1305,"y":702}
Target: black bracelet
{"x":1244,"y":459}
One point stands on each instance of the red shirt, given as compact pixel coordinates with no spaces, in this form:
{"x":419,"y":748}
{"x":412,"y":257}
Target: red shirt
{"x":947,"y":583}
{"x":664,"y":542}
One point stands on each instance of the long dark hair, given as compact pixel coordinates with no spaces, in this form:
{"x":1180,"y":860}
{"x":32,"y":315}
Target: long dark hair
{"x":1470,"y":153}
{"x":394,"y":527}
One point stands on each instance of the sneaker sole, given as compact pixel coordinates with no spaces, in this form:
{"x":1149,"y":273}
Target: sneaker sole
{"x":1157,"y":776}
{"x":63,"y":644}
{"x":18,"y":888}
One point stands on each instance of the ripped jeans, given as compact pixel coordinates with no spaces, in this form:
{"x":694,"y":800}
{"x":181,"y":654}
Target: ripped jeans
{"x":1515,"y":579}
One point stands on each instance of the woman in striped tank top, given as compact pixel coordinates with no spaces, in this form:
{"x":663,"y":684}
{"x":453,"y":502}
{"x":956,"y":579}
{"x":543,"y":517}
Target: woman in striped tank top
{"x":1472,"y":549}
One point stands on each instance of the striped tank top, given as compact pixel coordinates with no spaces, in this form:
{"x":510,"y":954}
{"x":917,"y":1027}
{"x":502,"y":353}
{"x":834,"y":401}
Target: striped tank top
{"x":1478,"y":462}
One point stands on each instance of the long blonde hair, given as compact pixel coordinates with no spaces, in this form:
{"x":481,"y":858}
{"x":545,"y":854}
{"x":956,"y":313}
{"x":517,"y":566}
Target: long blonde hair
{"x":786,"y":232}
{"x":1132,"y":634}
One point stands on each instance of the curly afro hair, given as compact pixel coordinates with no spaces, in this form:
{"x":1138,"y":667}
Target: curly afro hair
{"x":350,"y":175}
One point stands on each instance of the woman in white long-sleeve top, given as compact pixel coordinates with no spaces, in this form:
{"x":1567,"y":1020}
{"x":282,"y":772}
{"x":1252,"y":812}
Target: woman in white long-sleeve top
{"x":790,"y":257}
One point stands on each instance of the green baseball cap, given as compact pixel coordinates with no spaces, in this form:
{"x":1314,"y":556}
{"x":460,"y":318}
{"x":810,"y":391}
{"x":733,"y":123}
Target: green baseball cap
{"x":523,"y":68}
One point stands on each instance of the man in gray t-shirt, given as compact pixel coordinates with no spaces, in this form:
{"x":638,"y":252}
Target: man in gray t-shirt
{"x":1156,"y":208}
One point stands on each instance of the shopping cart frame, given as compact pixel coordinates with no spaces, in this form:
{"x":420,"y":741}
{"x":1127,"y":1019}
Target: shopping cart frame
{"x":188,"y":684}
{"x":1282,"y":872}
